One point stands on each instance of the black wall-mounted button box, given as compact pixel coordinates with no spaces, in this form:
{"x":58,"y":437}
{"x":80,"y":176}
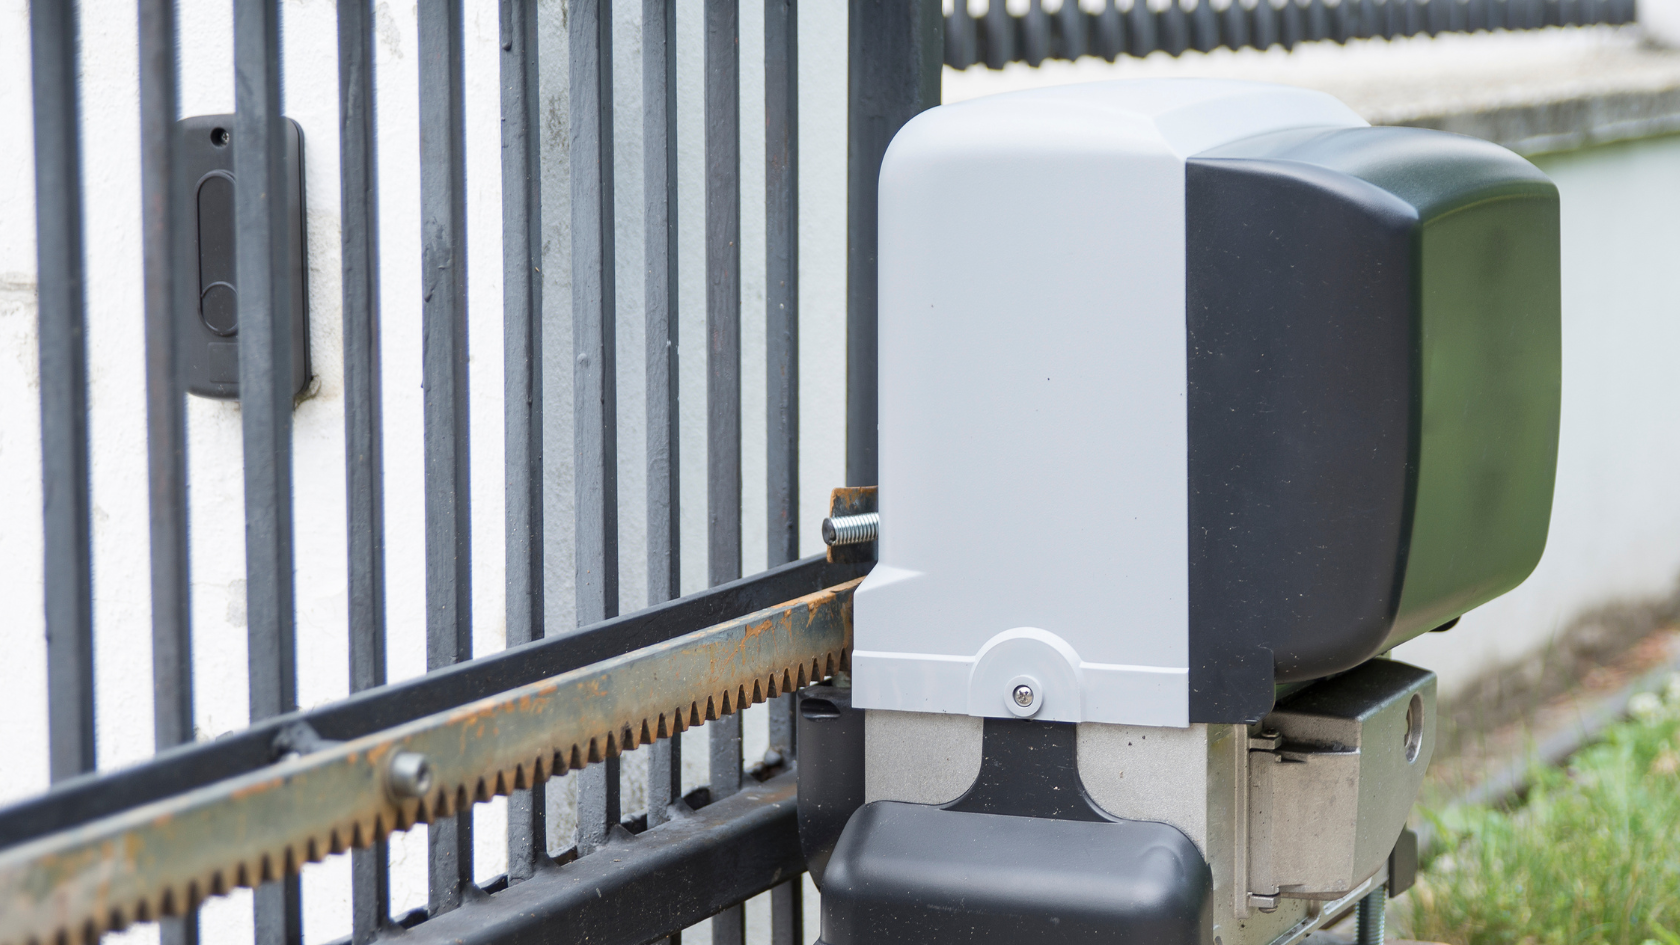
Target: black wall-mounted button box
{"x":209,"y":328}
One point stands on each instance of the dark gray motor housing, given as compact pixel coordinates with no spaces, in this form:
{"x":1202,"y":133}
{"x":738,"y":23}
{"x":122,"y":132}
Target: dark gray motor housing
{"x":1374,"y":334}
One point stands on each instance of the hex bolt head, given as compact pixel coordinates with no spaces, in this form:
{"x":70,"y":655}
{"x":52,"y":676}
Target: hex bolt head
{"x":410,"y":775}
{"x":1023,"y":695}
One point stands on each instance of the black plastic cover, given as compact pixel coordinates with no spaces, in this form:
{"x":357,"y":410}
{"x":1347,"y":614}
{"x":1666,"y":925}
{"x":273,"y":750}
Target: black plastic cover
{"x":906,"y":874}
{"x":209,"y":329}
{"x":1403,"y":863}
{"x":1030,"y":769}
{"x":1374,"y":363}
{"x":830,"y":740}
{"x":1024,"y":856}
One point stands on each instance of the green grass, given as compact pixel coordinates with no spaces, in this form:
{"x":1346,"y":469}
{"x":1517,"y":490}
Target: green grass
{"x":1591,"y":855}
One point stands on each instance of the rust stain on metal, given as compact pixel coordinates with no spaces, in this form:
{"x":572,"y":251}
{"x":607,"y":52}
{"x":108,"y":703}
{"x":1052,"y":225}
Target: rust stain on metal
{"x":137,"y":866}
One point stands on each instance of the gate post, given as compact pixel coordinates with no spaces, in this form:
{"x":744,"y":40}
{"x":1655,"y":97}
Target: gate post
{"x":896,"y":53}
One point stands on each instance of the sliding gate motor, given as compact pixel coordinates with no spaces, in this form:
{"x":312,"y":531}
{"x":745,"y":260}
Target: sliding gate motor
{"x":1196,"y":398}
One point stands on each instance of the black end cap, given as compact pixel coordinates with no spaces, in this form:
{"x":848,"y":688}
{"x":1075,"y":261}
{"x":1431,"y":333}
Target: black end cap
{"x":1403,"y":863}
{"x":907,"y":874}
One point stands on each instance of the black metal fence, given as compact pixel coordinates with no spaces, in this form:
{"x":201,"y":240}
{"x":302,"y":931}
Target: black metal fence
{"x":996,"y":37}
{"x":740,"y":842}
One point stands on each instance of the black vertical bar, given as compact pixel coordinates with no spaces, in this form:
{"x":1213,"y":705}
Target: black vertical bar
{"x":1416,"y":10}
{"x":781,"y":201}
{"x":68,"y":564}
{"x":659,"y":155}
{"x":723,"y":289}
{"x":723,"y":362}
{"x":1292,"y":26}
{"x":1174,"y":28}
{"x":1393,"y":18}
{"x":1476,"y":16}
{"x":522,"y":380}
{"x":894,"y":75}
{"x":999,"y":30}
{"x":162,"y":187}
{"x":1035,"y":34}
{"x":444,"y":316}
{"x":664,"y":775}
{"x":1141,"y":23}
{"x":1437,"y":15}
{"x":1344,"y":23}
{"x":1075,"y":28}
{"x":594,"y":368}
{"x":1366,"y":19}
{"x":1317,"y":17}
{"x":781,"y":176}
{"x":1234,"y":33}
{"x":1356,"y":22}
{"x":370,"y":885}
{"x":787,"y":908}
{"x":265,"y":393}
{"x":1111,"y":30}
{"x":959,"y":37}
{"x":1265,"y":26}
{"x":593,"y":309}
{"x":265,"y":356}
{"x":1204,"y":25}
{"x":659,"y":186}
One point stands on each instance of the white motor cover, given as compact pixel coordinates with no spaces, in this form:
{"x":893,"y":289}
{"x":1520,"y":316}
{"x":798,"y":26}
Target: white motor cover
{"x":1032,"y":399}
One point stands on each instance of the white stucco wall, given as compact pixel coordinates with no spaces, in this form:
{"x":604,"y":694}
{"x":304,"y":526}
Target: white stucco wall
{"x":122,"y":615}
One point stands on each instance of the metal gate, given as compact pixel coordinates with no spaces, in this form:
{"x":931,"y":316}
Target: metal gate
{"x":674,"y":874}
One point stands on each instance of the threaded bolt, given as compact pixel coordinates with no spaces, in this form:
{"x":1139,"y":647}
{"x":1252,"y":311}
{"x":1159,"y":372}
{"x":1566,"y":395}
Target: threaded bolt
{"x":1370,"y":917}
{"x":851,"y":529}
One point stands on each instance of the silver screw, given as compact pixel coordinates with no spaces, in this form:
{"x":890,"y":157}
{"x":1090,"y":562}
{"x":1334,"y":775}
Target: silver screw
{"x":411,"y":775}
{"x":851,"y":529}
{"x":1023,"y":695}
